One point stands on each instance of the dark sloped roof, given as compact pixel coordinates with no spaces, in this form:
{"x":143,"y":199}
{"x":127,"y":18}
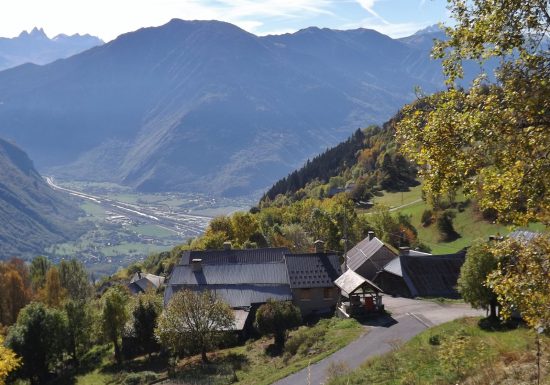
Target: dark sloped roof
{"x":239,"y":295}
{"x":432,"y":275}
{"x":362,"y":252}
{"x":312,"y":270}
{"x":212,"y":257}
{"x":231,"y":274}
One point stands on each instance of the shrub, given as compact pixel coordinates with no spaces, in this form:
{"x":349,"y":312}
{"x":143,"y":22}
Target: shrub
{"x":427,"y":218}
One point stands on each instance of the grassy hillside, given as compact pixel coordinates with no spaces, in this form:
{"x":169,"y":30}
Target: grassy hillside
{"x":468,"y":223}
{"x":459,"y":352}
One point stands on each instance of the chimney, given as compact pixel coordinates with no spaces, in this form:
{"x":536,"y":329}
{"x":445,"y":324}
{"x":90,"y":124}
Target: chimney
{"x":319,"y":246}
{"x":404,"y":250}
{"x":196,"y":265}
{"x":370,"y":235}
{"x":227,"y":245}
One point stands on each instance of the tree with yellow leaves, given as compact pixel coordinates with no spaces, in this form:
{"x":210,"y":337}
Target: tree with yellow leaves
{"x":522,"y":281}
{"x":8,"y":361}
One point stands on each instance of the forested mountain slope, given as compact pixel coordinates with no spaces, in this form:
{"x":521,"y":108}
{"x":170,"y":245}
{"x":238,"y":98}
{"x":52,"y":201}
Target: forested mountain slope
{"x":206,"y":106}
{"x":33,"y":216}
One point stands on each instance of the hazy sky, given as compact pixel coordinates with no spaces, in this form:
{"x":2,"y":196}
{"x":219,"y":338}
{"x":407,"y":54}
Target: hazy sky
{"x":110,"y":18}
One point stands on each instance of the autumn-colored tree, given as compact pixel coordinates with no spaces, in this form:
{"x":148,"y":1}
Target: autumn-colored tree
{"x":15,"y":294}
{"x":53,"y":293}
{"x":492,"y":140}
{"x":244,"y":225}
{"x":194,"y":322}
{"x":8,"y":361}
{"x":522,"y":279}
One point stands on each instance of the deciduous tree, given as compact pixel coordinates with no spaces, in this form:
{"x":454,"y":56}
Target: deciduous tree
{"x":8,"y":361}
{"x":492,"y":139}
{"x":522,"y":279}
{"x":39,"y":338}
{"x":472,"y":283}
{"x":194,"y":322}
{"x":276,"y":318}
{"x":114,"y":315}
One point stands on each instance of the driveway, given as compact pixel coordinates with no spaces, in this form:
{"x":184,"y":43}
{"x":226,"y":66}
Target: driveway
{"x":409,"y":317}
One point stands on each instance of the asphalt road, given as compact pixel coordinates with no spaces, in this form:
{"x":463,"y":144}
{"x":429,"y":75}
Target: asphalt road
{"x":409,"y":317}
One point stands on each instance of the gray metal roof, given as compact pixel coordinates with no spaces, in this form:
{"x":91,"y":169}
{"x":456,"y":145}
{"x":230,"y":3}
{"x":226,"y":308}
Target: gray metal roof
{"x":213,"y":257}
{"x":362,"y":252}
{"x":238,"y":295}
{"x":312,"y":270}
{"x":351,"y":281}
{"x":394,"y":267}
{"x":231,"y":274}
{"x":523,"y":235}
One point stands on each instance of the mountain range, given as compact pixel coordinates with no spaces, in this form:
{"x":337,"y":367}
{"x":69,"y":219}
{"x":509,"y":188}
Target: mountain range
{"x":36,"y":47}
{"x":33,"y":216}
{"x":206,"y":106}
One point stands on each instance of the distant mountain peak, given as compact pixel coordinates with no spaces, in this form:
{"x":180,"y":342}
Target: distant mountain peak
{"x":429,"y":30}
{"x":34,"y":33}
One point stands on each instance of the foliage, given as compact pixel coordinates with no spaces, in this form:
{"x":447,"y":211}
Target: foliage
{"x":15,"y":290}
{"x":493,"y":139}
{"x":145,"y":311}
{"x":194,"y":322}
{"x":276,"y":318}
{"x":427,"y":217}
{"x":53,"y":294}
{"x":114,"y":315}
{"x":479,"y":263}
{"x":38,"y":338}
{"x":521,"y":280}
{"x":39,"y":267}
{"x":8,"y":361}
{"x":79,"y":328}
{"x":75,"y":280}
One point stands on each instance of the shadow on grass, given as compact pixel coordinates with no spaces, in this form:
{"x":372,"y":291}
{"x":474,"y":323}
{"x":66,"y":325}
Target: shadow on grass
{"x":492,"y":324}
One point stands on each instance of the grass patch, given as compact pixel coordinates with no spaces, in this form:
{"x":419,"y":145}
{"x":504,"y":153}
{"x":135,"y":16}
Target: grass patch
{"x":457,"y":352}
{"x":251,"y":365}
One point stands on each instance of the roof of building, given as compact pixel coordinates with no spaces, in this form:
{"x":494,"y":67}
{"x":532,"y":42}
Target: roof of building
{"x":239,"y":296}
{"x":394,"y":267}
{"x":312,"y":270}
{"x":141,"y":282}
{"x":350,"y":281}
{"x":241,"y":256}
{"x":523,"y":235}
{"x":432,"y":275}
{"x":231,"y":274}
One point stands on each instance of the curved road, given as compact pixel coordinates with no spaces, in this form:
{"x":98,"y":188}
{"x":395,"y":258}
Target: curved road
{"x":409,"y":318}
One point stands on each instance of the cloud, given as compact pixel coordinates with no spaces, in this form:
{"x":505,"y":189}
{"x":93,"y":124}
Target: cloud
{"x":368,"y":5}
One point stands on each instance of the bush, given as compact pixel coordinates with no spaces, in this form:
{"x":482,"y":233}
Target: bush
{"x":446,"y":227}
{"x":427,"y":218}
{"x":139,"y":378}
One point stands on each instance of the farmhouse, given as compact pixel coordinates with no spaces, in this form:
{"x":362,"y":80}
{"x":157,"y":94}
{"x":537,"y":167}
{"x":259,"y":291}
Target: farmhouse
{"x":416,"y":274}
{"x":368,"y":257}
{"x":245,"y":279}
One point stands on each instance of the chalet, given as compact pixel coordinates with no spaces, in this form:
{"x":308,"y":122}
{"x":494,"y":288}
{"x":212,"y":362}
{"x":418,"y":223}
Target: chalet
{"x":141,"y":282}
{"x":245,"y":279}
{"x":368,"y":257}
{"x":417,"y":274}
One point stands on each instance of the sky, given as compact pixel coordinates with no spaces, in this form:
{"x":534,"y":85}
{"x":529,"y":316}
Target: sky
{"x":109,"y":18}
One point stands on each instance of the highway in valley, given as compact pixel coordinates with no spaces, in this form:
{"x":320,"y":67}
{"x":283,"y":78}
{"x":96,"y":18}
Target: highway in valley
{"x":179,"y":221}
